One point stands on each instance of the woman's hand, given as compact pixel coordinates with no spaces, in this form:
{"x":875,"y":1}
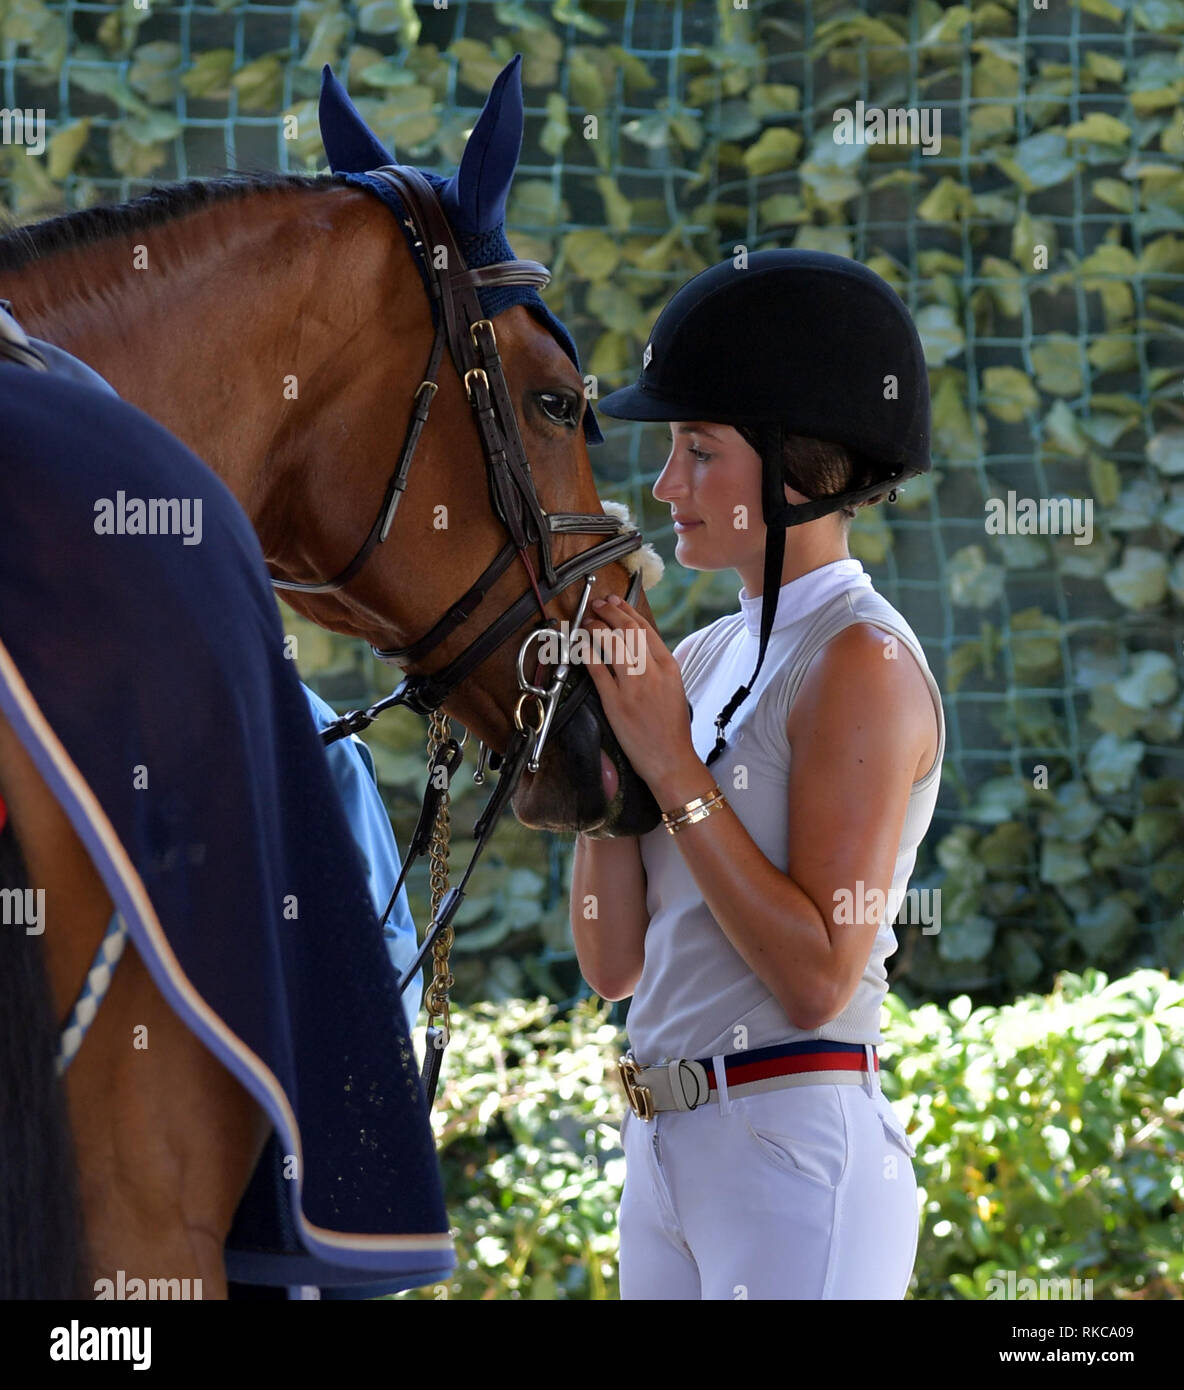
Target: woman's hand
{"x":640,"y":688}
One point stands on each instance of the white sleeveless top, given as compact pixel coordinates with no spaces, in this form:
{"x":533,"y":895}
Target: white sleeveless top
{"x":695,"y":988}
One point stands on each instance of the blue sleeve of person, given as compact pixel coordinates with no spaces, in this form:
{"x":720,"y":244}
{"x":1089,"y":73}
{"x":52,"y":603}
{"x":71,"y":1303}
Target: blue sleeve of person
{"x":353,"y":771}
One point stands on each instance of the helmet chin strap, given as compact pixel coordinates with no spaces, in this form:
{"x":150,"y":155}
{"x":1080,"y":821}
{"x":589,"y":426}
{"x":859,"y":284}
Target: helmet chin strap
{"x":779,"y":515}
{"x":795,"y":513}
{"x":772,"y":499}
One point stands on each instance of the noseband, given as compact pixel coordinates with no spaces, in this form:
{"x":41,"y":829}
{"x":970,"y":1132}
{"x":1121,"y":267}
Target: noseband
{"x":462,"y":326}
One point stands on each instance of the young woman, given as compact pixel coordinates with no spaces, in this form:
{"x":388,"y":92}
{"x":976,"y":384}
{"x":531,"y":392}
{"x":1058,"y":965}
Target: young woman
{"x":752,"y":925}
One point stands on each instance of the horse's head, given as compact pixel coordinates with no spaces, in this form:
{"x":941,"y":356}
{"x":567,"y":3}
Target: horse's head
{"x":465,"y":498}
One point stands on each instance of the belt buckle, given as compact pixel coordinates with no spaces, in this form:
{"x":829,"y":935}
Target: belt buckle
{"x":640,"y":1098}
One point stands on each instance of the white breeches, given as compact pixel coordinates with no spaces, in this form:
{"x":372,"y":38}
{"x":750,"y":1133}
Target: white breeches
{"x":802,"y":1193}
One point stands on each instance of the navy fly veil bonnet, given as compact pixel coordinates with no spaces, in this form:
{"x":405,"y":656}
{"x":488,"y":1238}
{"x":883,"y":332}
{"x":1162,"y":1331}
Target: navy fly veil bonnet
{"x":473,"y":199}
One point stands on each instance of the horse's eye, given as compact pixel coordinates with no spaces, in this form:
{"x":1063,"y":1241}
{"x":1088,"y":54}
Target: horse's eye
{"x":561,"y":409}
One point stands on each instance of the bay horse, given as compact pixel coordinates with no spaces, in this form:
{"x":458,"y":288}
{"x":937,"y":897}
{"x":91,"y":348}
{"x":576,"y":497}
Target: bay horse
{"x":278,"y":326}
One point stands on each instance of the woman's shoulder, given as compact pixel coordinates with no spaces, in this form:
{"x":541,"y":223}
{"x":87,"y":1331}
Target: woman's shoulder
{"x":878,"y":609}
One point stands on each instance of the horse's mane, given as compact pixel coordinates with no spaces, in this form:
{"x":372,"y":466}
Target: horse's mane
{"x":19,"y":246}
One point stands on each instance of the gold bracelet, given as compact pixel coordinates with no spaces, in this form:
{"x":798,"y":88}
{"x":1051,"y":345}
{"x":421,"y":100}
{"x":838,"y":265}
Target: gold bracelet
{"x":695,"y":804}
{"x":700,"y":813}
{"x":698,"y":809}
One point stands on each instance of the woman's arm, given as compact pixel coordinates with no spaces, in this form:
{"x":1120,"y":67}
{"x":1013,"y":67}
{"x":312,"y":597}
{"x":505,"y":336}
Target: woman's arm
{"x":610,"y":946}
{"x":858,"y":729}
{"x":608,"y":913}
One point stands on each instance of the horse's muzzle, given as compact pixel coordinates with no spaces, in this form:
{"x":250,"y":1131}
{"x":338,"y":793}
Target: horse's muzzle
{"x":568,"y":791}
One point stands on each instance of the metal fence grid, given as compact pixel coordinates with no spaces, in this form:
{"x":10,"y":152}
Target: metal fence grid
{"x":1025,"y":703}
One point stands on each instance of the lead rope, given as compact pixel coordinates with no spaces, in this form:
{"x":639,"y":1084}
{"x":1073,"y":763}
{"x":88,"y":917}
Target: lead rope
{"x":436,"y":996}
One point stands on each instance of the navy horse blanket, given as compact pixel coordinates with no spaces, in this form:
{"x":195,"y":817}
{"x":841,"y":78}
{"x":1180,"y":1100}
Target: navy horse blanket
{"x":146,"y":676}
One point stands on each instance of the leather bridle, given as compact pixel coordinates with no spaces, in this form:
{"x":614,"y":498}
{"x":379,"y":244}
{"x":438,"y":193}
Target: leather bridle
{"x":462,"y":326}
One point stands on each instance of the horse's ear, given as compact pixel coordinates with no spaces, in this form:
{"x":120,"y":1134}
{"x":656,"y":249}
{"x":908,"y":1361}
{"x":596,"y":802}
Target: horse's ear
{"x":475,"y":196}
{"x":349,"y":142}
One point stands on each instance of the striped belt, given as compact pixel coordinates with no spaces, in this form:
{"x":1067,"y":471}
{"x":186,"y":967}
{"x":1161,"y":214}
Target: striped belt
{"x":684,"y":1084}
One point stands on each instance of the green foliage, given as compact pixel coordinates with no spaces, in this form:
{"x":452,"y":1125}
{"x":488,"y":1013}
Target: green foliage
{"x":526,"y":1121}
{"x":1049,"y":1137}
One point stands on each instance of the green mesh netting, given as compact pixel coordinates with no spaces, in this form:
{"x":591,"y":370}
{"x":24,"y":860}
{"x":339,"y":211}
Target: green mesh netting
{"x":1039,"y":250}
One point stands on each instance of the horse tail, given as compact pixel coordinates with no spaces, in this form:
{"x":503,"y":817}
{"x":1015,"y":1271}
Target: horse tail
{"x":41,"y":1236}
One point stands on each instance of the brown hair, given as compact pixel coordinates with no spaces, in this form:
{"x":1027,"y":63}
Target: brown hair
{"x":819,"y":468}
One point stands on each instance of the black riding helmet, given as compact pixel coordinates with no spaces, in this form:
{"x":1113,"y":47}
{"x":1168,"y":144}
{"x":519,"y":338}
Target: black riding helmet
{"x":789,"y":342}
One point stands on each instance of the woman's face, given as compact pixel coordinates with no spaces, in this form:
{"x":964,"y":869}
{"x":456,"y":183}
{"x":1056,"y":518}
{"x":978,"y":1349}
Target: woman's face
{"x":712,"y":483}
